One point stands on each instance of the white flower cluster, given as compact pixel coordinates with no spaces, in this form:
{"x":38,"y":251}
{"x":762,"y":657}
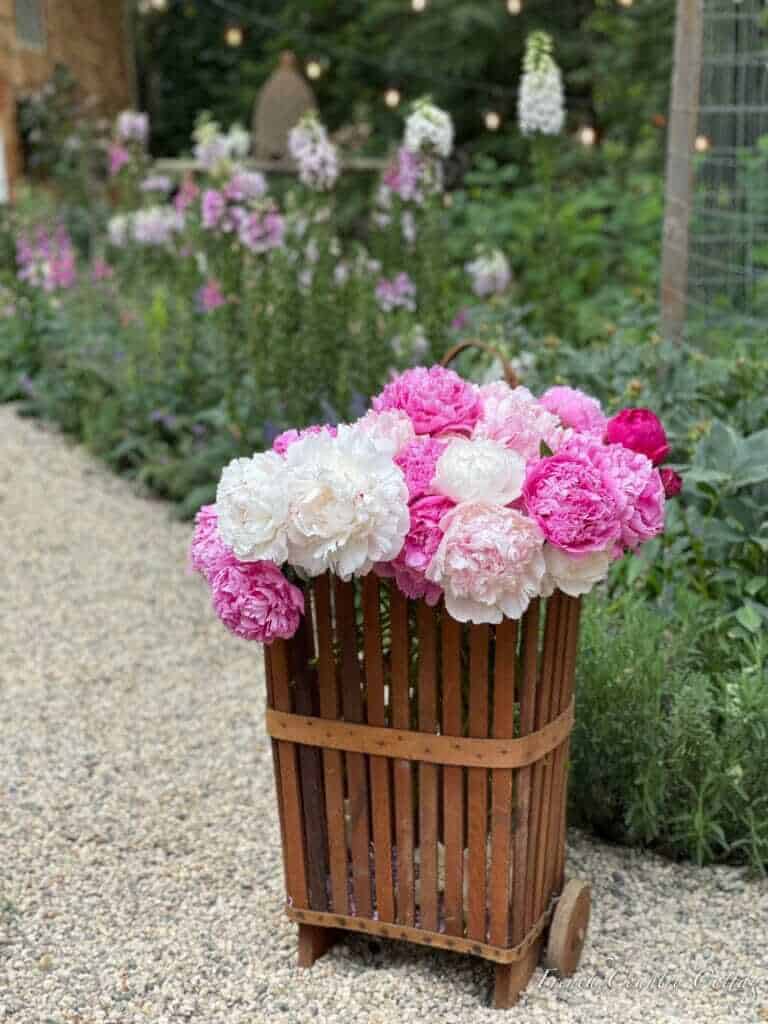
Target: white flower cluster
{"x":428,"y":129}
{"x":490,"y":273}
{"x":541,"y":102}
{"x":153,"y":226}
{"x":316,"y":156}
{"x":132,"y":126}
{"x":216,"y":151}
{"x":335,"y":503}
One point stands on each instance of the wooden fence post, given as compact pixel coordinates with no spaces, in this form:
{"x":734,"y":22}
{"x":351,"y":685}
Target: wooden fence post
{"x":683,"y":120}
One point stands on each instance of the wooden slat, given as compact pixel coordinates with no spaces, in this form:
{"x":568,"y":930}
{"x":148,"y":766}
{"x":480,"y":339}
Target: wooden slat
{"x":333,"y":760}
{"x":401,"y":719}
{"x":306,"y":702}
{"x":294,"y":850}
{"x":381,"y":792}
{"x":428,"y":773}
{"x":453,"y":788}
{"x":501,"y":783}
{"x":477,"y":785}
{"x":543,"y":851}
{"x":543,"y":696}
{"x":529,"y":659}
{"x":357,"y":773}
{"x":275,"y":757}
{"x":570,"y":672}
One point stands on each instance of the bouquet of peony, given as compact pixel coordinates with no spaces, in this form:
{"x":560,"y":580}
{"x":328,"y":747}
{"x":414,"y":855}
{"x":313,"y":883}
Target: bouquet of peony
{"x":482,"y":497}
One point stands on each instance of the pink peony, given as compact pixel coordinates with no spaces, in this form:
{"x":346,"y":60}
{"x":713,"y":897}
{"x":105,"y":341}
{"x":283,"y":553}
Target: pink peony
{"x":417,"y":461}
{"x":208,"y":553}
{"x":638,"y":490}
{"x":575,"y":409}
{"x":437,"y":400}
{"x":256,"y":602}
{"x":641,"y":431}
{"x":673,"y":482}
{"x":574,"y":501}
{"x":421,"y":543}
{"x":516,"y":419}
{"x":283,"y":441}
{"x":490,"y":562}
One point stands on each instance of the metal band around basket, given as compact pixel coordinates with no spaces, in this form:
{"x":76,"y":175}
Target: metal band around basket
{"x":458,"y":751}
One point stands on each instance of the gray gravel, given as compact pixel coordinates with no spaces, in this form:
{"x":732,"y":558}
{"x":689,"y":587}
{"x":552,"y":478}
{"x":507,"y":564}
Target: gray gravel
{"x":140,"y":878}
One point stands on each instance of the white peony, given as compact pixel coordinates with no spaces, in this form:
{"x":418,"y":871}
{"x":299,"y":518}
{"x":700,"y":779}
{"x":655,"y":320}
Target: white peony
{"x":252,"y":504}
{"x":518,"y":420}
{"x":349,"y":504}
{"x":540,"y":102}
{"x":574,"y":574}
{"x":429,"y":129}
{"x":479,"y":470}
{"x":390,"y":431}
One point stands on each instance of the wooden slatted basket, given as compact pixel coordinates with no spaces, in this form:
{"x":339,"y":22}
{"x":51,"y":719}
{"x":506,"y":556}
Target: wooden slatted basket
{"x":421,"y":769}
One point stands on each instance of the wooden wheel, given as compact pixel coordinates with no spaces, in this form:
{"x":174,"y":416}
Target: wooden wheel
{"x":569,"y":928}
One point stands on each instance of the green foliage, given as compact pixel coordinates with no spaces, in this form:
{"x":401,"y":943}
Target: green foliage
{"x":669,"y":747}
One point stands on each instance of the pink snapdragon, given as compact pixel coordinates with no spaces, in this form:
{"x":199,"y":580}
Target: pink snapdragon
{"x":47,"y":260}
{"x":186,"y":196}
{"x":210,"y":296}
{"x":261,"y":231}
{"x":212,"y":208}
{"x":118,"y":157}
{"x":404,"y":175}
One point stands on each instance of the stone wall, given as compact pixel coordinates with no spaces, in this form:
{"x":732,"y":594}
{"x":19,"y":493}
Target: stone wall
{"x":89,"y":36}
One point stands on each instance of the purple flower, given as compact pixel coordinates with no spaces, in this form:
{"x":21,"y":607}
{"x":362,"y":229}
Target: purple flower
{"x":213,"y":206}
{"x":47,"y":261}
{"x":210,"y":296}
{"x":118,"y":158}
{"x":187,"y":194}
{"x":157,"y":183}
{"x":404,"y":175}
{"x":260,"y":232}
{"x":399,"y":292}
{"x":246,"y":185}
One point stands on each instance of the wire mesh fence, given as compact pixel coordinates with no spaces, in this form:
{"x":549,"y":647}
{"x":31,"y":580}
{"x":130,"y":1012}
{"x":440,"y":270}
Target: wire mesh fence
{"x":728,"y":244}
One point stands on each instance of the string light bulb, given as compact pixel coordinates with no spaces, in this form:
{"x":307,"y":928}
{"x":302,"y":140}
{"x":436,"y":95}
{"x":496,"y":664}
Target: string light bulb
{"x":419,"y":5}
{"x":626,"y":3}
{"x":314,"y":69}
{"x":701,"y":145}
{"x":392,"y":98}
{"x":587,"y":135}
{"x":234,"y":36}
{"x":492,"y":120}
{"x":158,"y":5}
{"x":515,"y":6}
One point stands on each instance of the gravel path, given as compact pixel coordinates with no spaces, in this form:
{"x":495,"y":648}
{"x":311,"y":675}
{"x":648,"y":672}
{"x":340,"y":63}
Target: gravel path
{"x":140,"y":878}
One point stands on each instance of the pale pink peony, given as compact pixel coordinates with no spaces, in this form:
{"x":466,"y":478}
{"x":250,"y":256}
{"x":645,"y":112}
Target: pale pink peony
{"x":256,"y":602}
{"x":490,"y":562}
{"x":575,"y":502}
{"x":390,"y":431}
{"x":516,"y":419}
{"x":437,"y":400}
{"x":575,"y":574}
{"x":417,"y":461}
{"x":283,"y":441}
{"x":575,"y":409}
{"x":421,"y":543}
{"x":640,"y":430}
{"x":208,"y":553}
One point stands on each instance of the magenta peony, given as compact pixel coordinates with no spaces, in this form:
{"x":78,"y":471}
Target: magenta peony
{"x":256,"y":602}
{"x":575,"y":409}
{"x":641,"y":431}
{"x":516,"y":419}
{"x":437,"y":400}
{"x":283,"y":441}
{"x":208,"y":553}
{"x":574,"y":501}
{"x":421,"y":543}
{"x":418,"y":461}
{"x":673,"y":482}
{"x":490,"y":562}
